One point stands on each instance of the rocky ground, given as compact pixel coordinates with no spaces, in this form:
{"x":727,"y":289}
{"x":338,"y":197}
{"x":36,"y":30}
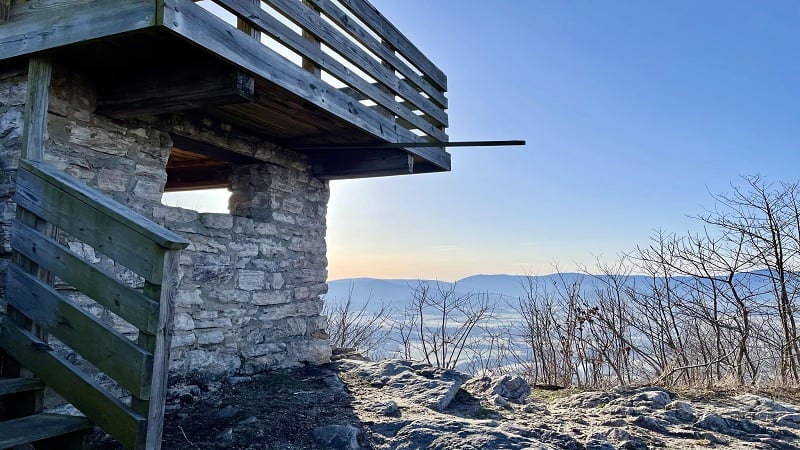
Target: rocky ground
{"x":399,"y":405}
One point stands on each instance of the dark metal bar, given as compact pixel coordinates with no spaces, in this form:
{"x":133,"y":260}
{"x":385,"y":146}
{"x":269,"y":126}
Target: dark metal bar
{"x":413,"y":145}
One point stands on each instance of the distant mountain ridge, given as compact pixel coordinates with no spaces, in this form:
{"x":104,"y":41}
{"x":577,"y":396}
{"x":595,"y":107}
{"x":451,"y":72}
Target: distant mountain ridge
{"x":398,"y":292}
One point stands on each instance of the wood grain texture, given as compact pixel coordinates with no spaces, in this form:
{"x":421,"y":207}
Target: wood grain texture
{"x":101,"y":407}
{"x":204,"y":29}
{"x":34,"y":120}
{"x":84,"y":222}
{"x":117,"y":211}
{"x":38,"y":427}
{"x":129,"y":304}
{"x":17,"y":385}
{"x":173,"y":88}
{"x":383,"y":48}
{"x":384,"y":28}
{"x":315,"y":24}
{"x":368,"y":164}
{"x":42,"y":25}
{"x":5,"y":10}
{"x":165,"y":294}
{"x":117,"y":356}
{"x":314,"y":54}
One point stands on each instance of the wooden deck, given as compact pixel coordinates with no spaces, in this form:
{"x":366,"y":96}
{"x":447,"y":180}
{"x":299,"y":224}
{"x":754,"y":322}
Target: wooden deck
{"x":300,"y":73}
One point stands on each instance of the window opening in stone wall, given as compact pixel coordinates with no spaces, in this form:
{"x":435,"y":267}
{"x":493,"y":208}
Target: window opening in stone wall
{"x":198,"y":175}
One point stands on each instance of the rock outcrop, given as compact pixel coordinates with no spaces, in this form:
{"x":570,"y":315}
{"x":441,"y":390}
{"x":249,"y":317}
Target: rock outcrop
{"x":400,"y":405}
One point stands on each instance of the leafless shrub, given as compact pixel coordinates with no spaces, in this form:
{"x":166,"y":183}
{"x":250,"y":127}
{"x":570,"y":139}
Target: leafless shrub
{"x":359,"y":328}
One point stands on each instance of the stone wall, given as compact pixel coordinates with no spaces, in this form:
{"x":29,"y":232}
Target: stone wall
{"x":250,"y":282}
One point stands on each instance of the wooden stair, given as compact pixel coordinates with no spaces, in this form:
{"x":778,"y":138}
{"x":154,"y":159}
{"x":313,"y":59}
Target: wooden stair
{"x":45,"y":431}
{"x":23,"y":426}
{"x":50,"y":202}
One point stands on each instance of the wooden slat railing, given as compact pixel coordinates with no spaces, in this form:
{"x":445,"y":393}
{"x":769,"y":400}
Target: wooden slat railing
{"x":50,"y":200}
{"x":395,"y":75}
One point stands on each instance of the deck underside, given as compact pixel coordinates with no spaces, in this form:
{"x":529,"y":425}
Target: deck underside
{"x":175,"y":56}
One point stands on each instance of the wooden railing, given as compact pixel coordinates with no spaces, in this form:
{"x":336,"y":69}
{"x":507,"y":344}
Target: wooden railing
{"x":50,"y":202}
{"x":352,"y":47}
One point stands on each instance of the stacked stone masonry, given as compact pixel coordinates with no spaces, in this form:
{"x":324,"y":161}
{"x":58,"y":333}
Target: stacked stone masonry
{"x":250,"y":282}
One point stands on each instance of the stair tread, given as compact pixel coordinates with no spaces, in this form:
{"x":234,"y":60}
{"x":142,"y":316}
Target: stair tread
{"x":39,"y":426}
{"x":15,"y":385}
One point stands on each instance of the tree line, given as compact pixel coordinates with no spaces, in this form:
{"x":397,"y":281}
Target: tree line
{"x":719,"y":306}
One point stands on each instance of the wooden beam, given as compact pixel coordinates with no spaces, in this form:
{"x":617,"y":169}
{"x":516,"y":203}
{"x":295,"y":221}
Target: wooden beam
{"x":210,"y":150}
{"x":119,"y":298}
{"x":172,"y":89}
{"x":159,"y":343}
{"x":34,"y":122}
{"x":314,"y":56}
{"x":5,"y":10}
{"x":79,"y":192}
{"x":206,"y":30}
{"x":210,"y":176}
{"x":37,"y":26}
{"x":97,"y":342}
{"x":340,"y":166}
{"x":378,"y":23}
{"x":103,"y":408}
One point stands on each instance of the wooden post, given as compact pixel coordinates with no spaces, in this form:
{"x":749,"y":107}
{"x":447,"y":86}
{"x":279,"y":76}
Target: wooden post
{"x":307,"y":63}
{"x":245,"y":25}
{"x":34,"y":121}
{"x":34,"y":124}
{"x":5,"y":10}
{"x":159,"y":344}
{"x":386,"y":112}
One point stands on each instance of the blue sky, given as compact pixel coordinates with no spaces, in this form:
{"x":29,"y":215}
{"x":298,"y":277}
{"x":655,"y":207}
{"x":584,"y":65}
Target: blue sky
{"x":633,"y":112}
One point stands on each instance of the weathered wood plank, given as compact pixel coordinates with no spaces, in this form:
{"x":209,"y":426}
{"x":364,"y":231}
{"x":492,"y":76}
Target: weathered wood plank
{"x":173,"y":89}
{"x":308,"y":64}
{"x":120,"y":299}
{"x":17,"y":385}
{"x":117,"y":211}
{"x":109,"y":227}
{"x":212,"y":176}
{"x":204,"y":29}
{"x":104,"y":409}
{"x":385,"y":52}
{"x":160,"y":344}
{"x":314,"y":54}
{"x":384,"y":28}
{"x":89,"y":225}
{"x":30,"y":429}
{"x":100,"y":344}
{"x":363,"y":165}
{"x":34,"y":120}
{"x":316,"y":25}
{"x":5,"y":10}
{"x":210,"y":150}
{"x":34,"y":27}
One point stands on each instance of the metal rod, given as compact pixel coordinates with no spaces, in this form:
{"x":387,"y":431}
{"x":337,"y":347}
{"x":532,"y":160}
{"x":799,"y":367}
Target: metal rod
{"x":414,"y":145}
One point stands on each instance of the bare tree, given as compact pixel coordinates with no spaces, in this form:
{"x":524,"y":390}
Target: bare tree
{"x":446,"y":321}
{"x":358,"y":328}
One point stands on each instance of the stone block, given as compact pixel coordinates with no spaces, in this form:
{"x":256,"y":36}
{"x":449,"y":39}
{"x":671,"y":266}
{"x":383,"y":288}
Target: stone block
{"x":277,"y":280}
{"x":210,"y":337}
{"x":262,"y":349}
{"x":222,"y":322}
{"x":183,"y":322}
{"x":183,"y":340}
{"x":218,"y":221}
{"x":211,"y":363}
{"x":271,"y":297}
{"x":251,"y":280}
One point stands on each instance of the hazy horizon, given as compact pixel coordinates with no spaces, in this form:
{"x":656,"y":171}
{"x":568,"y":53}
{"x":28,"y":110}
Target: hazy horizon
{"x":633,"y":114}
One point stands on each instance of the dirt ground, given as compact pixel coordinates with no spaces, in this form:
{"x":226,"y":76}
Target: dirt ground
{"x":281,"y":410}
